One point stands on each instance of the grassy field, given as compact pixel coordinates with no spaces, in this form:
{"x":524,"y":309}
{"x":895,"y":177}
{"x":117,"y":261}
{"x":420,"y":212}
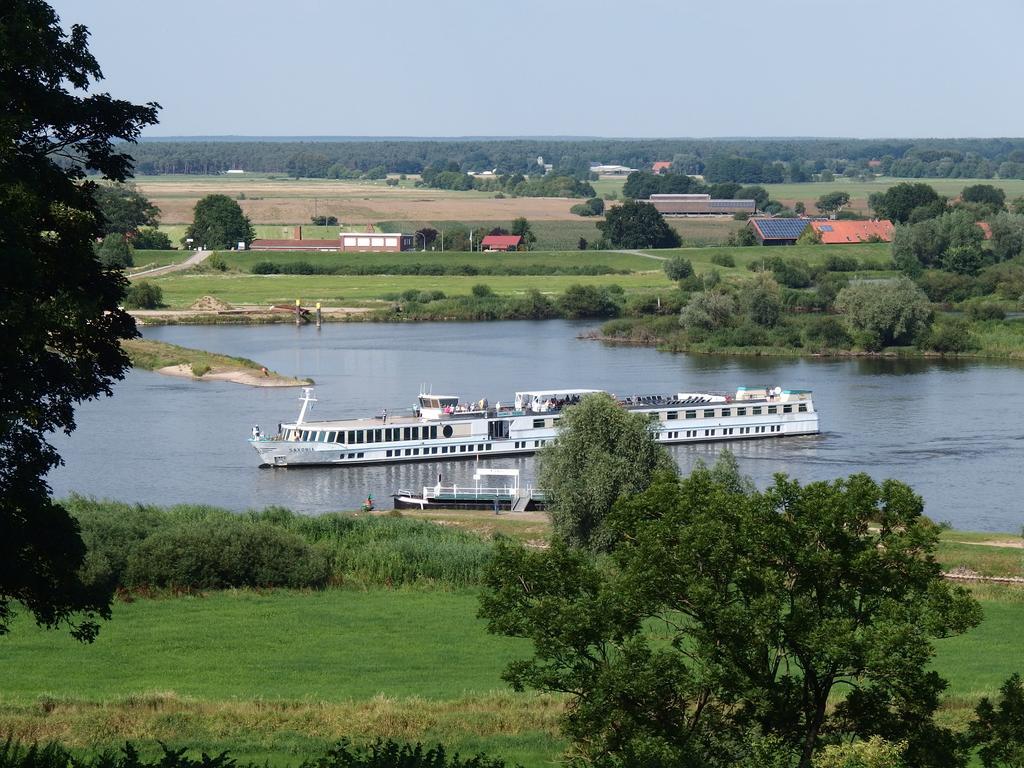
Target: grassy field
{"x":181,"y":290}
{"x":521,"y":259}
{"x":809,"y":192}
{"x":274,"y":676}
{"x":812,"y":254}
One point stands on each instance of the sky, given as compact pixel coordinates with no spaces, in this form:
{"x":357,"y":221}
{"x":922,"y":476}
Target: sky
{"x":631,"y":68}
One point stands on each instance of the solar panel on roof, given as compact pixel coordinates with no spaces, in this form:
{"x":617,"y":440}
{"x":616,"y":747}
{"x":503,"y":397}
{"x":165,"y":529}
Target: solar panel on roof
{"x":782,"y":229}
{"x":826,"y":227}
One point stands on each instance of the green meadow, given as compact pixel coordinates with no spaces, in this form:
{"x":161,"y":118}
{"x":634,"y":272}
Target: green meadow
{"x":279,"y":675}
{"x":808,"y":192}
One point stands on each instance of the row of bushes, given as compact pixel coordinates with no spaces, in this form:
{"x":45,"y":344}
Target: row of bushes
{"x":577,"y":302}
{"x":345,"y":754}
{"x":198,"y":547}
{"x":307,"y":268}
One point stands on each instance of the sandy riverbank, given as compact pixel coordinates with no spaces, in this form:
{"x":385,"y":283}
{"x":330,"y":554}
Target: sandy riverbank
{"x":234,"y":375}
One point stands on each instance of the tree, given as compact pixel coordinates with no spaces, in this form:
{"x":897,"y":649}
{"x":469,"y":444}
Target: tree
{"x":832,"y":202}
{"x":115,"y":252}
{"x":601,"y":453}
{"x":425,"y":236}
{"x":799,"y":208}
{"x":1007,"y":235}
{"x":725,"y":611}
{"x":761,"y":300}
{"x":124,"y":208}
{"x":678,"y":268}
{"x":709,"y":310}
{"x":581,"y":301}
{"x":884,"y":313}
{"x":59,"y":307}
{"x":964,"y":259}
{"x":637,"y":225}
{"x":151,"y":239}
{"x":218,"y":222}
{"x":144,"y":295}
{"x":985,"y":194}
{"x":900,"y":200}
{"x":522,"y":228}
{"x":998,"y":730}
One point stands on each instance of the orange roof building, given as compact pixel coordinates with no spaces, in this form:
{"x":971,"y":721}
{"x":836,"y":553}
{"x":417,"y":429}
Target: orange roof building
{"x":661,"y":166}
{"x":833,"y":232}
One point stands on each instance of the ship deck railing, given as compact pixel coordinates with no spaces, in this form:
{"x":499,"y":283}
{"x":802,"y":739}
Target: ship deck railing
{"x":477,"y":492}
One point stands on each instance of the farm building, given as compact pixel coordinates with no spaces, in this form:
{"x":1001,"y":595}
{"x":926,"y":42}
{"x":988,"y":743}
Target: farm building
{"x":375,"y":241}
{"x":501,"y":243}
{"x":699,"y":205}
{"x":834,"y":232}
{"x":262,"y":244}
{"x":661,"y":166}
{"x":778,"y":231}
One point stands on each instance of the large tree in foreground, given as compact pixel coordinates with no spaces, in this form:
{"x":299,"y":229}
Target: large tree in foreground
{"x":218,"y":222}
{"x":725,"y":616}
{"x":59,"y":312}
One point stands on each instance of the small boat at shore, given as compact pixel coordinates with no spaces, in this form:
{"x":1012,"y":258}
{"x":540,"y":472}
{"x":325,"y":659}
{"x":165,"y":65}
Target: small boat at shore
{"x":442,"y":427}
{"x":510,"y":497}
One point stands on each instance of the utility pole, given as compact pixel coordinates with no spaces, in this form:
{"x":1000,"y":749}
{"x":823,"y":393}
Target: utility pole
{"x":442,"y":241}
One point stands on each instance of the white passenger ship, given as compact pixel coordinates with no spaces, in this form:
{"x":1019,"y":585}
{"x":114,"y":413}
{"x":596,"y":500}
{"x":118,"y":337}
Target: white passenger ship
{"x":442,"y":427}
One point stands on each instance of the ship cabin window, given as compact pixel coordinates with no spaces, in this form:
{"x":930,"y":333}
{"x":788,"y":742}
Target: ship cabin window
{"x":802,"y":407}
{"x":756,"y":410}
{"x":359,"y":435}
{"x":538,"y":423}
{"x":351,"y":437}
{"x":787,"y":409}
{"x":407,"y":433}
{"x":672,"y":415}
{"x":726,"y":412}
{"x":387,"y":453}
{"x":773,"y":409}
{"x":415,"y":451}
{"x":433,"y":432}
{"x":333,"y":438}
{"x":408,"y":451}
{"x":377,"y":435}
{"x":709,"y":413}
{"x":741,"y":411}
{"x":691,"y":414}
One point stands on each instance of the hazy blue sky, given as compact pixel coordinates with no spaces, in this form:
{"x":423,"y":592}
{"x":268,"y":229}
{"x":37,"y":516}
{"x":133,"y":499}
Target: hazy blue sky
{"x":865,"y":68}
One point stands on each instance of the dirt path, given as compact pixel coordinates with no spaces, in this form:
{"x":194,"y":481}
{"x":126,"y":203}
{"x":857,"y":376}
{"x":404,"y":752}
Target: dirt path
{"x":196,"y":258}
{"x":641,"y":253}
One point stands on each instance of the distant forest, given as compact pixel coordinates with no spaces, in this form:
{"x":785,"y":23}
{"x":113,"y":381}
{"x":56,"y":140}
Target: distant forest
{"x":744,"y":161}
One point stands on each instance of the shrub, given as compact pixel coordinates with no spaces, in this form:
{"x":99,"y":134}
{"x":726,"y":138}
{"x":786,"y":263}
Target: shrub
{"x":151,"y":239}
{"x":949,"y":336}
{"x":945,"y":287}
{"x":885,"y":312}
{"x":482,"y":291}
{"x":143,"y":295}
{"x":723,"y":260}
{"x":986,"y":311}
{"x":678,"y":268}
{"x":226,"y":552}
{"x":709,"y":310}
{"x":115,"y":252}
{"x":826,"y":333}
{"x":581,"y":301}
{"x":264,"y":268}
{"x":835,"y":262}
{"x":200,"y":369}
{"x":216,"y":263}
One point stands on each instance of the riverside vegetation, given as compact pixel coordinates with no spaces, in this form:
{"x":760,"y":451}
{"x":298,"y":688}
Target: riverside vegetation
{"x":390,"y":643}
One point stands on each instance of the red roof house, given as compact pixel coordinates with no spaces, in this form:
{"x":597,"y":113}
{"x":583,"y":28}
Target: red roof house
{"x":843,"y":231}
{"x":501,"y":242}
{"x":986,"y":228}
{"x":661,"y":166}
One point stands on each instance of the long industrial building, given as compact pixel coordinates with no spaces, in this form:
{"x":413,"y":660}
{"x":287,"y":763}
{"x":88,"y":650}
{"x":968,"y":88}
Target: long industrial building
{"x":699,"y":205}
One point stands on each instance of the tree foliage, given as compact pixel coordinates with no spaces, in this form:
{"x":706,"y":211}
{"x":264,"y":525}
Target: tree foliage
{"x":884,"y":313}
{"x":985,"y":194}
{"x":678,"y":268}
{"x":832,"y":202}
{"x":151,"y":239}
{"x":521,"y":226}
{"x":58,"y":305}
{"x":115,"y":252}
{"x":998,"y":729}
{"x":124,"y":209}
{"x":602,"y":452}
{"x":899,"y":201}
{"x":637,"y":225}
{"x":725,"y":611}
{"x":218,"y":222}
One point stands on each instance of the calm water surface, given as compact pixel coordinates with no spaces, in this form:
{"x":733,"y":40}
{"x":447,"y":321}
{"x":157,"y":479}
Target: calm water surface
{"x":953,"y":430}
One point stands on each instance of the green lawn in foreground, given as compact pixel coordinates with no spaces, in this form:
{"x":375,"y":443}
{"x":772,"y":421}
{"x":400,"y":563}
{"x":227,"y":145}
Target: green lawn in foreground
{"x":181,"y":290}
{"x":279,"y":676}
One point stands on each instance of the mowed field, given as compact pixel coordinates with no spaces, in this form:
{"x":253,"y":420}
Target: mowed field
{"x":645,"y":273}
{"x":279,"y":676}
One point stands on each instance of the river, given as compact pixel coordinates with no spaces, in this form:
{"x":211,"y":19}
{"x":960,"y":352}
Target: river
{"x":950,"y":429}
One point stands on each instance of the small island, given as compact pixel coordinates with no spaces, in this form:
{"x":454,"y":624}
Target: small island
{"x":199,"y":365}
